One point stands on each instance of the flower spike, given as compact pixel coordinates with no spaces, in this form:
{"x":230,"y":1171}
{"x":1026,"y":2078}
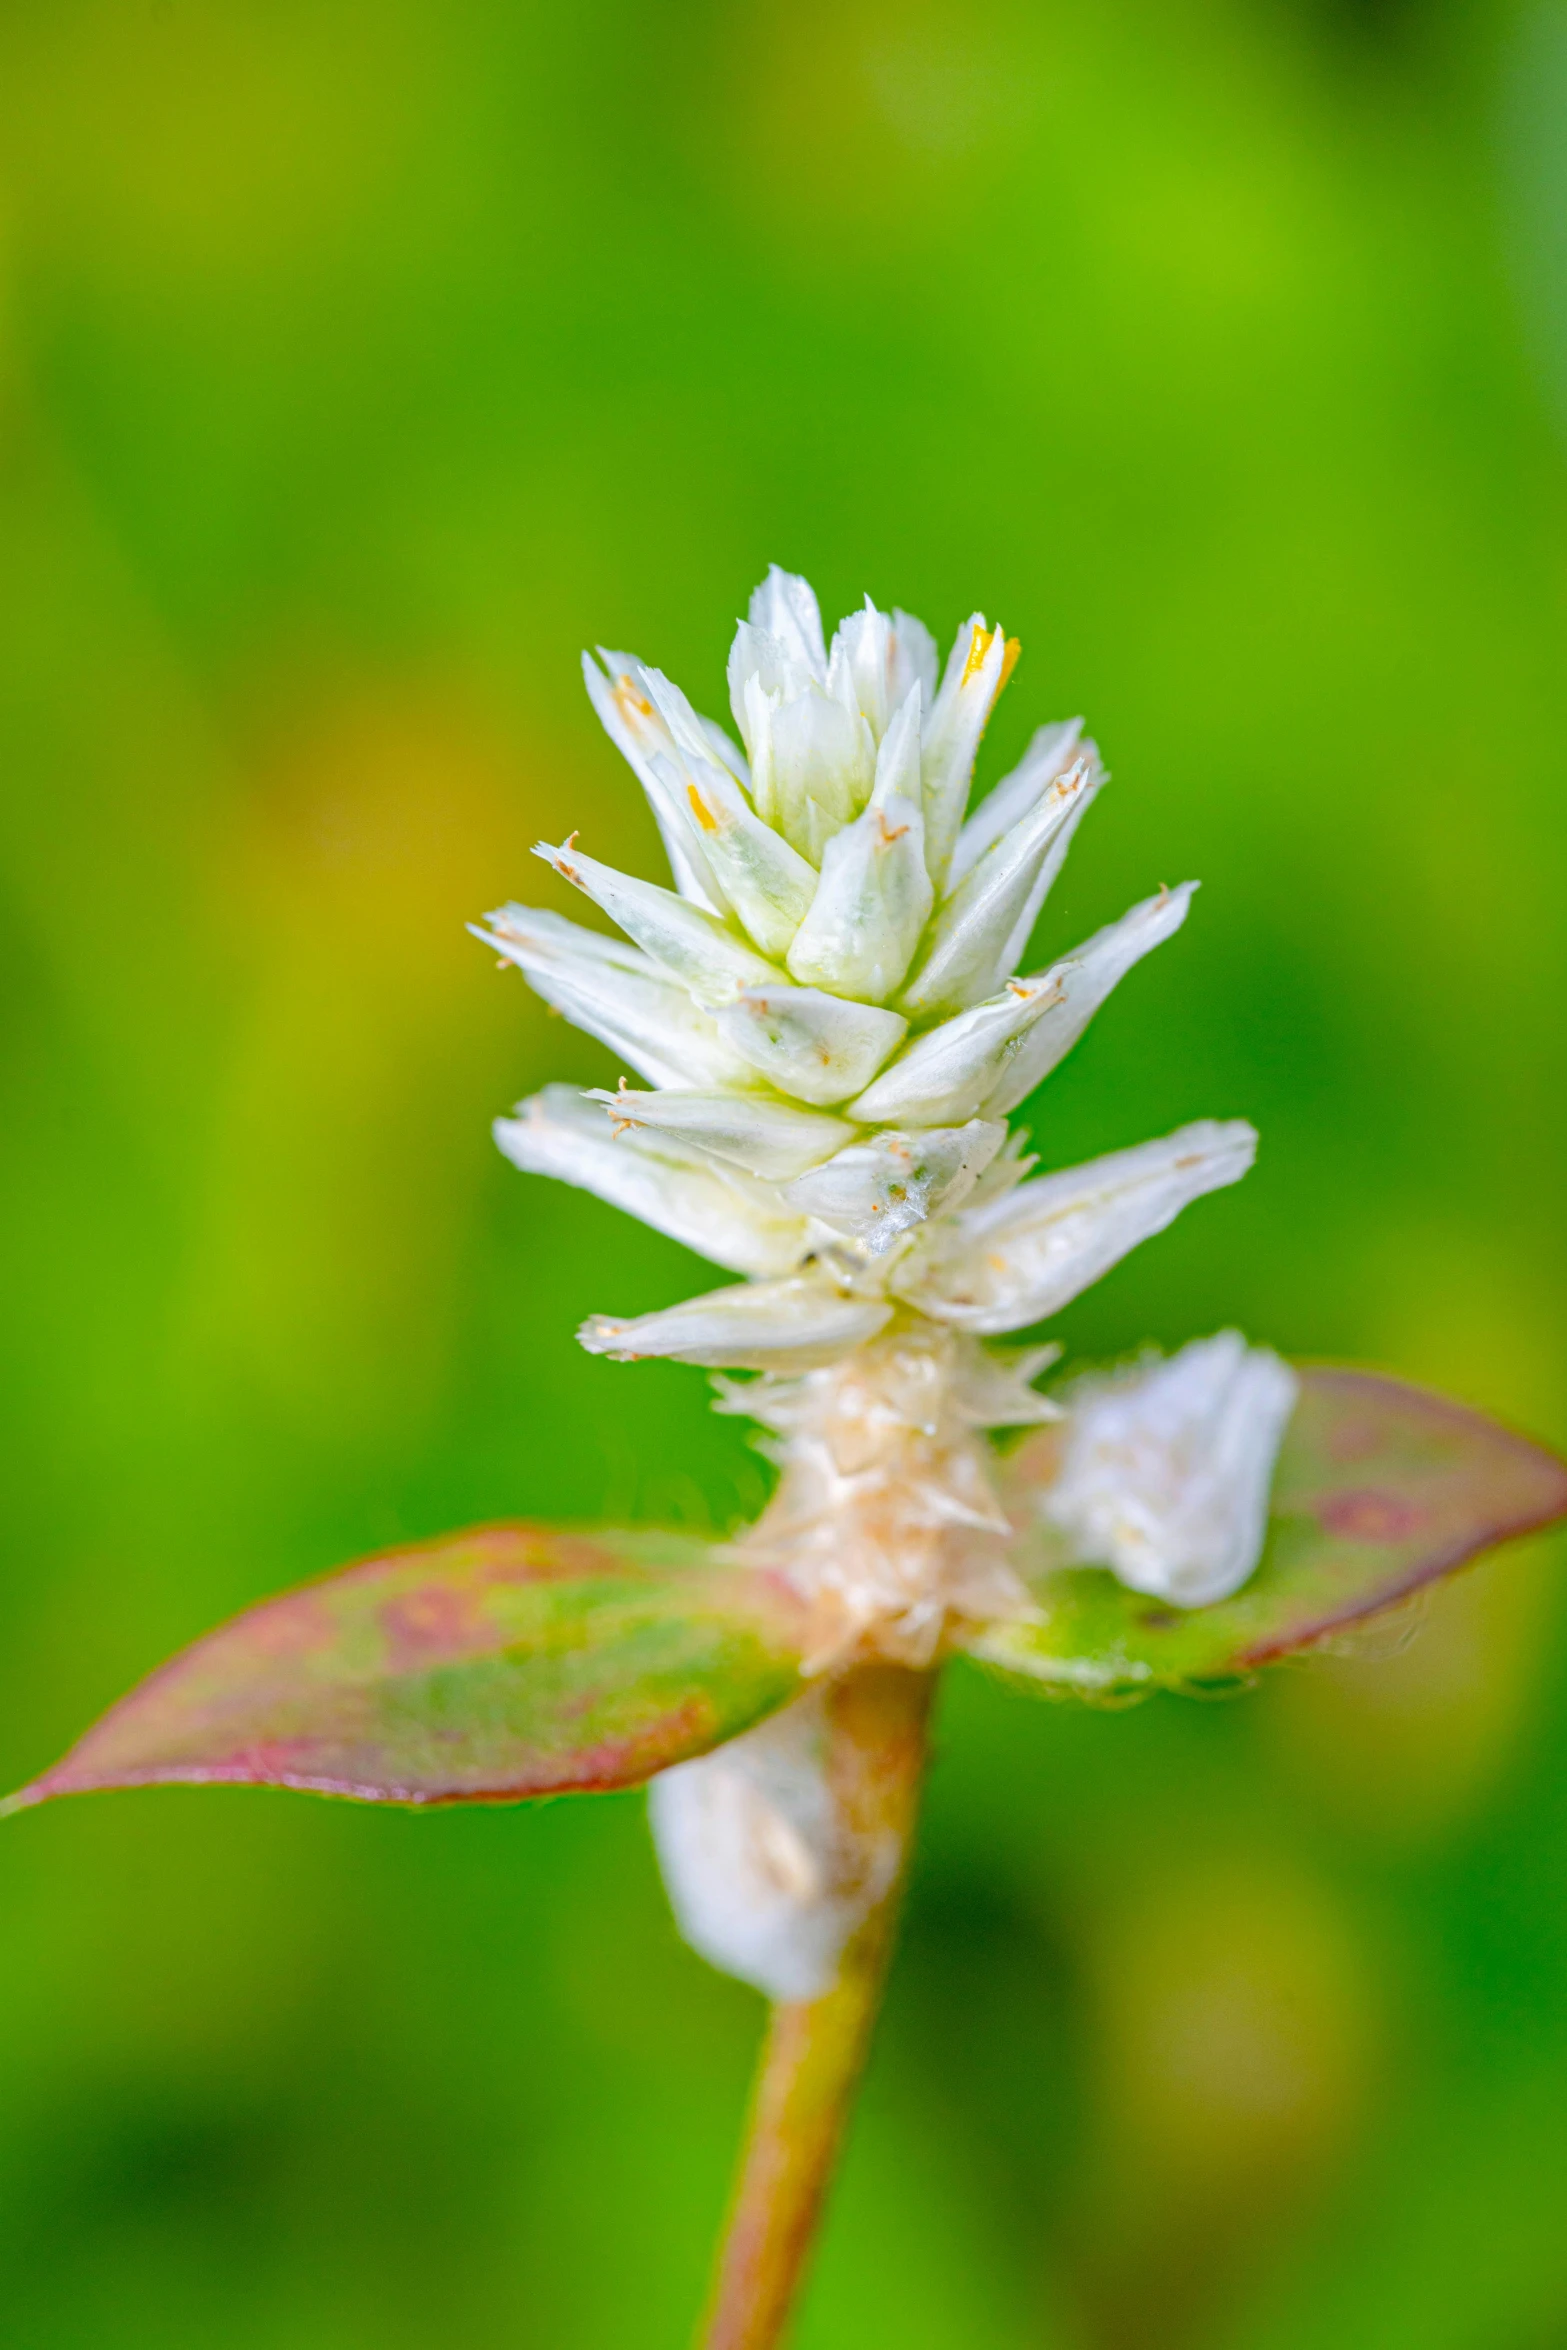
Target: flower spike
{"x":825,"y":1112}
{"x":830,"y":1026}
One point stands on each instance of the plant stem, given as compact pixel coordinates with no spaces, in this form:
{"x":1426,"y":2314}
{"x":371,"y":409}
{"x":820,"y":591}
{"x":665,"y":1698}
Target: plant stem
{"x":815,"y":2049}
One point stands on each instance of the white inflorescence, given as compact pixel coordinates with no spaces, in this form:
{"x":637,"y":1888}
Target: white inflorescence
{"x":824,"y":1028}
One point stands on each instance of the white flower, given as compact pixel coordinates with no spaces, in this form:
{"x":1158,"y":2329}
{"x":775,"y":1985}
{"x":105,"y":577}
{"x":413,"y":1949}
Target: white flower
{"x":1166,"y":1470}
{"x":830,"y":1026}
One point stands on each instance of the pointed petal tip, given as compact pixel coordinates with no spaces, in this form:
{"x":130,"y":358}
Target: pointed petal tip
{"x":601,"y":1334}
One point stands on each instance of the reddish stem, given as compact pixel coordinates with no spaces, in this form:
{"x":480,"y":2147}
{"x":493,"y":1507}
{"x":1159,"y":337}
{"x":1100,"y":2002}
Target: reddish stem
{"x":815,"y":2049}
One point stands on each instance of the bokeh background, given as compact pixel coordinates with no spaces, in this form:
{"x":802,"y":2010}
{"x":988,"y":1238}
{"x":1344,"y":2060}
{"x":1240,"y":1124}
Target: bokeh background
{"x":360,"y":364}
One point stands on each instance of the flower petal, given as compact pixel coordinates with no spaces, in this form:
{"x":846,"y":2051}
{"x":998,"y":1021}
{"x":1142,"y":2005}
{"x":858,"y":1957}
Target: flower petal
{"x":613,"y":991}
{"x":875,"y":1190}
{"x":1016,"y":948}
{"x":628,"y":717}
{"x":943,"y":1077}
{"x":769,"y":884}
{"x":914,"y":660}
{"x":695,"y":741}
{"x":813,"y":755}
{"x":858,"y":660}
{"x":1029,"y":1253}
{"x":977,"y":668}
{"x":723,"y":1215}
{"x":821,"y":766}
{"x":662,"y":719}
{"x":784,"y":607}
{"x":996,"y":1387}
{"x":794,"y":1325}
{"x":816,"y":1047}
{"x":1051,"y":752}
{"x":1083,"y":979}
{"x":703,"y":953}
{"x":969,"y":947}
{"x":874,"y":897}
{"x":772,"y":1139}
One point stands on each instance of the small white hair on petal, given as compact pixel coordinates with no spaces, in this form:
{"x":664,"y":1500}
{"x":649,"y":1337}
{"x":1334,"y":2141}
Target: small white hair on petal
{"x":1166,"y":1471}
{"x":766,"y":1875}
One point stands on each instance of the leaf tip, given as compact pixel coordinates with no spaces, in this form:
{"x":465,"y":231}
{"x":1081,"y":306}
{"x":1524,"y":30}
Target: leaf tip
{"x":36,"y":1791}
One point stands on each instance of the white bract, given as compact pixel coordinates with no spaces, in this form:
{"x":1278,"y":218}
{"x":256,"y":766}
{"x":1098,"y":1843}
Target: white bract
{"x":1166,"y":1469}
{"x":766,"y":1873}
{"x":832,"y":1012}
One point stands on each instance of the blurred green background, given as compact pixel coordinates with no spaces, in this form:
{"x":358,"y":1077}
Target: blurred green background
{"x":360,"y":364}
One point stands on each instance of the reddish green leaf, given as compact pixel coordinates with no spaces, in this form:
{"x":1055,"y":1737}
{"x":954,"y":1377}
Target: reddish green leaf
{"x":1380,"y":1488}
{"x":508,"y":1661}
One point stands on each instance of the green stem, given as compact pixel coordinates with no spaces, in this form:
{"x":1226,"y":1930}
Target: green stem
{"x":815,"y":2049}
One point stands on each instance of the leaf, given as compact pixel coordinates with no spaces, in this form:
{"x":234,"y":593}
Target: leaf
{"x":1380,"y":1488}
{"x":507,"y":1661}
